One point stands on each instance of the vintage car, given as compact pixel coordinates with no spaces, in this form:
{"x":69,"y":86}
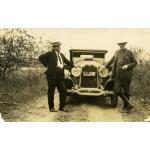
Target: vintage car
{"x":89,"y":77}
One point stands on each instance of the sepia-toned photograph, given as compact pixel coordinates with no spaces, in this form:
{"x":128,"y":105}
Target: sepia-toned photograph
{"x":74,"y":75}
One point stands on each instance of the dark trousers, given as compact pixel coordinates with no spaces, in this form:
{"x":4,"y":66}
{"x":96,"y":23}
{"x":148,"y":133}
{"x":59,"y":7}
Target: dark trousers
{"x":58,"y":82}
{"x":122,"y":88}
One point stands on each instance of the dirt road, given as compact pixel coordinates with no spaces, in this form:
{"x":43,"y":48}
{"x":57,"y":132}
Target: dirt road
{"x":83,"y":110}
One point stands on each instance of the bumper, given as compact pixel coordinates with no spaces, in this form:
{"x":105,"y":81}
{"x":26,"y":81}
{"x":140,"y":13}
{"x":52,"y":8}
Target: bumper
{"x":90,"y":92}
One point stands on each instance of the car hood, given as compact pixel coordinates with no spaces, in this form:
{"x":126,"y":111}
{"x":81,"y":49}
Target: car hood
{"x":93,"y":62}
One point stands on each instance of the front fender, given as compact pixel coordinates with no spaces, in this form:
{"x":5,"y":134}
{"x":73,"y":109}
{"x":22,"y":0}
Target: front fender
{"x":108,"y":84}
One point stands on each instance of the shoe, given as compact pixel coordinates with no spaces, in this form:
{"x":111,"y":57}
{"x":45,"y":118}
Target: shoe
{"x":130,"y":107}
{"x":127,"y":109}
{"x":63,"y":109}
{"x":52,"y":110}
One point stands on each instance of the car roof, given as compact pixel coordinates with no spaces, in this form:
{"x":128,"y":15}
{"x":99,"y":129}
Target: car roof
{"x":88,"y":51}
{"x":95,"y":52}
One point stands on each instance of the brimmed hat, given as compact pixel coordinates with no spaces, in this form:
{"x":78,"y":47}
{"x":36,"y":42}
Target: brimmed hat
{"x":122,"y":43}
{"x":56,"y":44}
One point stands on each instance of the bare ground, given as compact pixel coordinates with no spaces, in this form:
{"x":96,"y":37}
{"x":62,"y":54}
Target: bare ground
{"x":140,"y":112}
{"x":79,"y":110}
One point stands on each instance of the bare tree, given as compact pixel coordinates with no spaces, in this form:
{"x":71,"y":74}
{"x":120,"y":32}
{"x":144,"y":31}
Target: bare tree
{"x":17,"y":48}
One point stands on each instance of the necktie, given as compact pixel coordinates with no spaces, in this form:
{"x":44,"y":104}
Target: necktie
{"x":59,"y":58}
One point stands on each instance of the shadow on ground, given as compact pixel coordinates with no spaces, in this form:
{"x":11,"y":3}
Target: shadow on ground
{"x":102,"y":102}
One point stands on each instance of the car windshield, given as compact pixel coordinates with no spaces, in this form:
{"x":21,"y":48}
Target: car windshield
{"x":87,"y":56}
{"x":79,"y":55}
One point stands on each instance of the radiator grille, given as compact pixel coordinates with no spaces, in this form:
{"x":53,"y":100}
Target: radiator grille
{"x":89,"y":77}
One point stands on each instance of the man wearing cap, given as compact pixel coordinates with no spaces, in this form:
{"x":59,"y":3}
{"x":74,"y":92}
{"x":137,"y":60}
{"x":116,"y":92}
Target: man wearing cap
{"x":54,"y":61}
{"x":122,"y":63}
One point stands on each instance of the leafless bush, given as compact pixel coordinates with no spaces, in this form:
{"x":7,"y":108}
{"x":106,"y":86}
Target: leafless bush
{"x":17,"y":49}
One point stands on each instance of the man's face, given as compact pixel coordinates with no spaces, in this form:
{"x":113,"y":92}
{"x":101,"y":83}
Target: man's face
{"x":56,"y":48}
{"x":122,"y":46}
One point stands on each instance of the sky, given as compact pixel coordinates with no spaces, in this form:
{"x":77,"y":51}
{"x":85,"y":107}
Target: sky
{"x":95,"y":38}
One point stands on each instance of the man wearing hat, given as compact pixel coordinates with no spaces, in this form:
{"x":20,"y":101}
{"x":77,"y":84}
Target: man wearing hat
{"x":122,"y":63}
{"x":54,"y":61}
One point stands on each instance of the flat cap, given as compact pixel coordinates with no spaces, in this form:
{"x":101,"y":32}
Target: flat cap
{"x":56,"y":43}
{"x":122,"y":43}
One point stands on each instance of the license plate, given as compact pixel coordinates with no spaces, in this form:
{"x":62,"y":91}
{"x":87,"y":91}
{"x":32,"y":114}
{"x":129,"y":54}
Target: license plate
{"x":89,"y":74}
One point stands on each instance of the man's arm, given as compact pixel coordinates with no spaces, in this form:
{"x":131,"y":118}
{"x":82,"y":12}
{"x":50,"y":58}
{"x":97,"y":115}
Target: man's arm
{"x":66,"y":61}
{"x":109,"y":62}
{"x":43,"y":59}
{"x":133,"y":61}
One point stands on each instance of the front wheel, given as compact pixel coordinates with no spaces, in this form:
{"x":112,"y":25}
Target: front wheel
{"x":114,"y":100}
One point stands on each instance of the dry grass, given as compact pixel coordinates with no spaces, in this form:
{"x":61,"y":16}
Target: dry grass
{"x":22,"y":87}
{"x":141,"y":80}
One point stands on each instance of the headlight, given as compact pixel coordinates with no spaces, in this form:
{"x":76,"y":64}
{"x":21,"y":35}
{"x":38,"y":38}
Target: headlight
{"x":76,"y":71}
{"x":103,"y":72}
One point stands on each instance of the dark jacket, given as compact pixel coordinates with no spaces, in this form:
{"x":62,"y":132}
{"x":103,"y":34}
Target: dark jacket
{"x":49,"y":60}
{"x":128,"y":60}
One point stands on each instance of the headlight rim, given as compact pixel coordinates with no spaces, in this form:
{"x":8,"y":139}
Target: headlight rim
{"x":100,"y":74}
{"x":76,"y":75}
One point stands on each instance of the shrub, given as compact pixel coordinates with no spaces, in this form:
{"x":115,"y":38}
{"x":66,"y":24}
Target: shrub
{"x":141,"y":83}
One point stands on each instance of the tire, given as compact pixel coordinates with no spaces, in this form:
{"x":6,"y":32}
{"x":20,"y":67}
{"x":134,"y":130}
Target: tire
{"x":114,"y":100}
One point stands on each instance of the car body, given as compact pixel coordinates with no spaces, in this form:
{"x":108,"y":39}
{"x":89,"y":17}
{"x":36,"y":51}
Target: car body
{"x":89,"y":77}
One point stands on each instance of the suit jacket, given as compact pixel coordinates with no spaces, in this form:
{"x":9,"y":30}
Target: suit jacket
{"x":129,"y":60}
{"x":49,"y":60}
